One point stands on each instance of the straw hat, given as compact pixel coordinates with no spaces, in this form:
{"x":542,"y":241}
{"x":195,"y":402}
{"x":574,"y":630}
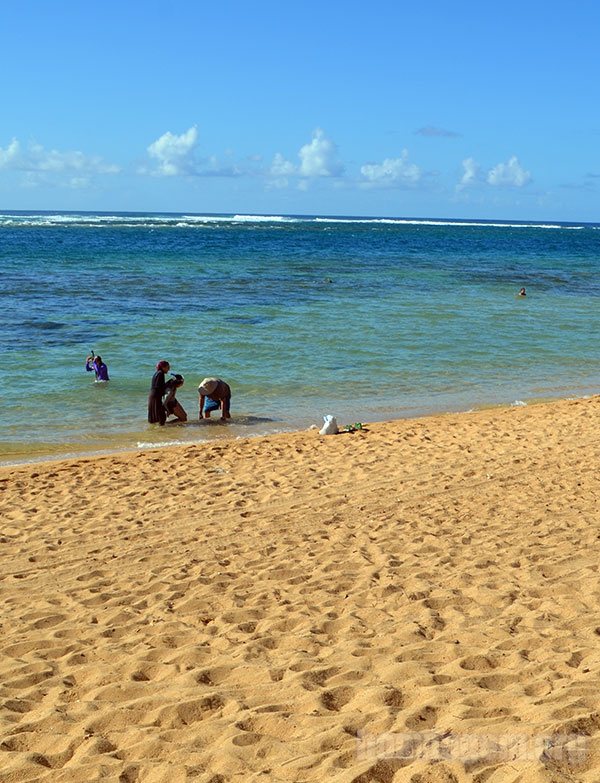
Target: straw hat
{"x":208,"y":386}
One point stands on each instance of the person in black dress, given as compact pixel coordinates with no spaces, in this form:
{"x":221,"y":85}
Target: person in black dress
{"x":156,"y":410}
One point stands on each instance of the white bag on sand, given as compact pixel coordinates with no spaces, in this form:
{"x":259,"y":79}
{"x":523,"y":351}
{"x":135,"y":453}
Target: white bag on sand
{"x":330,"y":427}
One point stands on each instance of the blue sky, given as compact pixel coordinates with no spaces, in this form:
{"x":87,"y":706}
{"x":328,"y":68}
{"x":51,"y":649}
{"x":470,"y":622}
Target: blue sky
{"x":464,"y":109}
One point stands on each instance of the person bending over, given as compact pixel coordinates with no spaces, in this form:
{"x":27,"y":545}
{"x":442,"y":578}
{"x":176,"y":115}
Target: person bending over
{"x":214,"y":394}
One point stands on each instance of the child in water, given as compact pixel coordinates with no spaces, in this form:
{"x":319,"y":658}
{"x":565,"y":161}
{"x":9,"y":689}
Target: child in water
{"x":171,"y":403}
{"x":95,"y":364}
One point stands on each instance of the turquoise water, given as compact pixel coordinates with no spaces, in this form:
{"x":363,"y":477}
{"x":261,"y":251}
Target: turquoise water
{"x":363,"y":318}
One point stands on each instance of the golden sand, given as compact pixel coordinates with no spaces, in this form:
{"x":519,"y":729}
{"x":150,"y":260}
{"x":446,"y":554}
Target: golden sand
{"x":419,"y":601}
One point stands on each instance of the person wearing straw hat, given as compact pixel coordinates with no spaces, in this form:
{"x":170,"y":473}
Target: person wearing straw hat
{"x":214,"y":394}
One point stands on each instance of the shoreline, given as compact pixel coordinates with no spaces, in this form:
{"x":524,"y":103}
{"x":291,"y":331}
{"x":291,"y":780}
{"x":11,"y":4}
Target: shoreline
{"x":304,"y":607}
{"x":39,"y":458}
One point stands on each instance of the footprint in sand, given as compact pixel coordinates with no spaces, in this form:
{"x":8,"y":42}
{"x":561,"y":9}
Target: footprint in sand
{"x":497,"y":682}
{"x":394,"y":699}
{"x":336,"y":698}
{"x":246,"y":739}
{"x":318,"y":677}
{"x":480,"y":663}
{"x":381,"y":772}
{"x":426,"y":718}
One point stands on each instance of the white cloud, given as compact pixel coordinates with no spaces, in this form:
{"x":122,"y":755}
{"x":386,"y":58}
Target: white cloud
{"x":279,"y":183}
{"x":280,"y":170}
{"x":40,"y":159}
{"x":280,"y":167}
{"x":9,"y":155}
{"x":471,"y":173}
{"x":79,"y":183}
{"x":392,"y":172}
{"x":175,"y":154}
{"x":510,"y":174}
{"x":35,"y":159}
{"x":319,"y":157}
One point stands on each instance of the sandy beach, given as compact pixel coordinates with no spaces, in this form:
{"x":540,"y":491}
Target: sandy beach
{"x":418,"y":601}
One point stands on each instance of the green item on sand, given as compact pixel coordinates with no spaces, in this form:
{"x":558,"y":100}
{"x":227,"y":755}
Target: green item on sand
{"x":353,"y":427}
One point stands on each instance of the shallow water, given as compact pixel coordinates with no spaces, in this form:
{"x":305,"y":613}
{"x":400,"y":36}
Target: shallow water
{"x":363,"y":318}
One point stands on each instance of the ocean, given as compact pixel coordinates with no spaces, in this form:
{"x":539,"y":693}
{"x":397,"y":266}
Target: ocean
{"x":363,"y":318}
